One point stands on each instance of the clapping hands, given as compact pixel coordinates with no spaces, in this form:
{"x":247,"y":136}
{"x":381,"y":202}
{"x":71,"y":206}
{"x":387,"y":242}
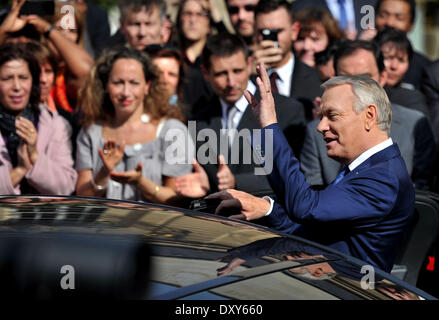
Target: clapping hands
{"x":26,"y":131}
{"x":112,"y":154}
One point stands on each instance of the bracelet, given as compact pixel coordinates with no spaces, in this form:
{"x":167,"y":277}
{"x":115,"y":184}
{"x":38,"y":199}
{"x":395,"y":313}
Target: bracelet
{"x":47,"y":33}
{"x":97,"y":187}
{"x":157,"y":189}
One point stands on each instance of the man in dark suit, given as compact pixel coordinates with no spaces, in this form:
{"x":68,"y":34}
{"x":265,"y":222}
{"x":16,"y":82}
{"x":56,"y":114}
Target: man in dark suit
{"x":290,"y":76}
{"x":348,"y":13}
{"x":410,"y":128}
{"x":367,"y":210}
{"x":227,"y":67}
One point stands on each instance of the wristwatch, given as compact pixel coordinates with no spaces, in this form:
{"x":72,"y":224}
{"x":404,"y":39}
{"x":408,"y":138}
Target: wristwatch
{"x":47,"y":33}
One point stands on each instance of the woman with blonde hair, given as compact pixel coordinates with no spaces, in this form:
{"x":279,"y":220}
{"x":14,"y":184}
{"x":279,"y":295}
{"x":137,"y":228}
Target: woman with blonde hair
{"x":132,"y":145}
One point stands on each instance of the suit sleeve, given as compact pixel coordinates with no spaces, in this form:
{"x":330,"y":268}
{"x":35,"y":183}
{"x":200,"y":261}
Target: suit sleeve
{"x":365,"y":201}
{"x":309,"y":159}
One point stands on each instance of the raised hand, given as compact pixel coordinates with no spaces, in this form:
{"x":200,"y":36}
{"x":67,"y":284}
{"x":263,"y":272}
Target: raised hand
{"x":26,"y":131}
{"x":39,"y":23}
{"x":112,"y":154}
{"x":264,"y":111}
{"x":13,"y":22}
{"x":226,"y":179}
{"x":193,"y":185}
{"x":128,"y":177}
{"x":267,"y":53}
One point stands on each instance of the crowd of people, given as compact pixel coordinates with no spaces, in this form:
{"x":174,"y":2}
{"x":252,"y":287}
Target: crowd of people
{"x":114,"y":98}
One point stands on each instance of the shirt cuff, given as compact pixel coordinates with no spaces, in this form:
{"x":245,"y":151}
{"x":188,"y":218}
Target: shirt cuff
{"x":271,"y":205}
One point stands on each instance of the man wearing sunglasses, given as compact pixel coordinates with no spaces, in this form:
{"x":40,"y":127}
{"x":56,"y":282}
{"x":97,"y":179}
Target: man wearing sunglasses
{"x":242,"y":16}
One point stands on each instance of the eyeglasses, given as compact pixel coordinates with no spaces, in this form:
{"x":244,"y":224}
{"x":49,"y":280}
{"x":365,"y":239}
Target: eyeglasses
{"x":247,"y":7}
{"x":188,"y":14}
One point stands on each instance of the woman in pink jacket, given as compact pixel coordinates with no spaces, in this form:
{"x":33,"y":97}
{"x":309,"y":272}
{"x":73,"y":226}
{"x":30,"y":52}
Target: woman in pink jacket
{"x":35,"y":146}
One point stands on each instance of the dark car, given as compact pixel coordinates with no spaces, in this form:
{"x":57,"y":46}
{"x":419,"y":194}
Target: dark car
{"x":55,"y":247}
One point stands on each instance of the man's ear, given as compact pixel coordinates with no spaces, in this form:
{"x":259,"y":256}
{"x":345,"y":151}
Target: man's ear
{"x":295,"y":28}
{"x":371,"y":116}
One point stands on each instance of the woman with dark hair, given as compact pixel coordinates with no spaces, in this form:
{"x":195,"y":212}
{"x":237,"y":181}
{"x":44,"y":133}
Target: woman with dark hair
{"x":193,"y":25}
{"x":35,"y":154}
{"x":397,"y":52}
{"x":49,"y":64}
{"x":127,"y":147}
{"x":318,"y":30}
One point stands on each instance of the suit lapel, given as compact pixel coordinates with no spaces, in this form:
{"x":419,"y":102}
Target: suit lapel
{"x":384,"y":155}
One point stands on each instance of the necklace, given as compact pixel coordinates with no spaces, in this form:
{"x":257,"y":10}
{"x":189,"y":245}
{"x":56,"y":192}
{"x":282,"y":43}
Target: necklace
{"x":145,"y":118}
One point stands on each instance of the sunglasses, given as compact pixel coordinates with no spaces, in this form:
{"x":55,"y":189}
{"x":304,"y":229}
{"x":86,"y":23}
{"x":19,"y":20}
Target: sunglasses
{"x":247,"y":7}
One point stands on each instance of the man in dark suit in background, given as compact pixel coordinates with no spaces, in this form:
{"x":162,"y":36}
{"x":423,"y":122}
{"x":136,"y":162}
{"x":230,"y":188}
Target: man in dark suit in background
{"x":227,"y":67}
{"x":410,"y":128}
{"x":346,"y":12}
{"x":290,"y":76}
{"x":367,"y":210}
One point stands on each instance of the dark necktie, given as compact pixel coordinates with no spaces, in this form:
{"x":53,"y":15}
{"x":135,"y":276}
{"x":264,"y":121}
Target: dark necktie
{"x":341,"y":175}
{"x":273,"y":77}
{"x":343,"y":21}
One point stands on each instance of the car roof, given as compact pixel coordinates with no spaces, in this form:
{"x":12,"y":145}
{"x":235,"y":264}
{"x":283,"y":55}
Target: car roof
{"x":187,"y":248}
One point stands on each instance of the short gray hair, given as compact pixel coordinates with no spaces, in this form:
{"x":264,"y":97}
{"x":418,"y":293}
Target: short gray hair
{"x":128,"y":6}
{"x":367,"y":91}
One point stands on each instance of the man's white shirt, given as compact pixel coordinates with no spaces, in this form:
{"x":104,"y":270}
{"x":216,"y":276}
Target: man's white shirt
{"x":285,"y":74}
